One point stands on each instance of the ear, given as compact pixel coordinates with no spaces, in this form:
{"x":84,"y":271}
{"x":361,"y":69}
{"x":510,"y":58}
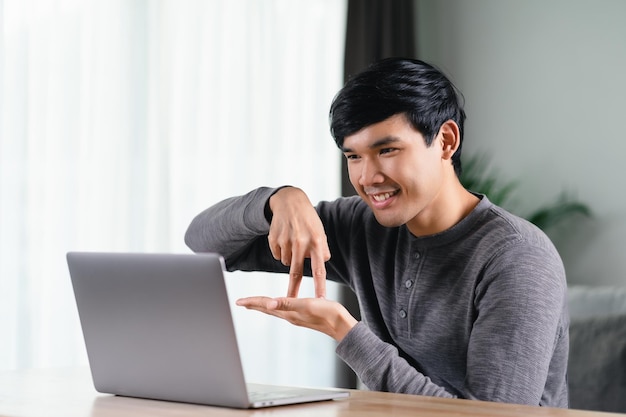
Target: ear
{"x":450,"y":138}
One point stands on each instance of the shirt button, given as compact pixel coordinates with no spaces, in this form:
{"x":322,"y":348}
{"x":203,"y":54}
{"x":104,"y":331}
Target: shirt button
{"x":416,"y":255}
{"x":402,"y":313}
{"x":408,"y":283}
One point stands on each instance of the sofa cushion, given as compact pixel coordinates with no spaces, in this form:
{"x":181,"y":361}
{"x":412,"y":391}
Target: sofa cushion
{"x":596,"y":301}
{"x":597,"y":363}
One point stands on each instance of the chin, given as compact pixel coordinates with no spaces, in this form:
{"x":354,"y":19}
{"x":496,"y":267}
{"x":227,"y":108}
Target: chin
{"x":387,"y":222}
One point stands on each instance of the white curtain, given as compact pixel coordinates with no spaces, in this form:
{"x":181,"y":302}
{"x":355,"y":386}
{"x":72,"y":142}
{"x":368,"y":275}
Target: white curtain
{"x":122,"y":119}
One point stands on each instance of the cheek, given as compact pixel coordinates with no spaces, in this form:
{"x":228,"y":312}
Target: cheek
{"x":416,"y":177}
{"x":353,"y":174}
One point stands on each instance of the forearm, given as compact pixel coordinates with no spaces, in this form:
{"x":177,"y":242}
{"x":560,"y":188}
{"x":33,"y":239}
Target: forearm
{"x":381,"y":368}
{"x":230,"y":226}
{"x":520,"y":330}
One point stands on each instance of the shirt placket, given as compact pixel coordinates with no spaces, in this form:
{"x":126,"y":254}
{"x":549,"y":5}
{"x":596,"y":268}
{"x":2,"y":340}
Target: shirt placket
{"x":405,"y":292}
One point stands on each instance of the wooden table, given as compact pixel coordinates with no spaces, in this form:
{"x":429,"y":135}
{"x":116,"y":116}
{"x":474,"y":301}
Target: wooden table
{"x":70,"y":393}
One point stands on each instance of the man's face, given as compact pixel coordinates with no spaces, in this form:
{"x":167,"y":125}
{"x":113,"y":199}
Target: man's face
{"x":397,"y":175}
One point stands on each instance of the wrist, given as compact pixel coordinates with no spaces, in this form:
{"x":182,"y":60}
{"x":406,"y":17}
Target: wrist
{"x":267,"y":210}
{"x":345,"y":322}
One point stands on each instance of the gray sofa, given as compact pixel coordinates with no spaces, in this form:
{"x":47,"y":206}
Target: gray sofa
{"x":597,"y":362}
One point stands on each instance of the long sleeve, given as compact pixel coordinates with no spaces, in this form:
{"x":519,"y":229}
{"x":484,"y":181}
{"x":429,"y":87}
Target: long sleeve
{"x":237,"y":229}
{"x":508,"y":344}
{"x":380,"y":366}
{"x":478,"y":311}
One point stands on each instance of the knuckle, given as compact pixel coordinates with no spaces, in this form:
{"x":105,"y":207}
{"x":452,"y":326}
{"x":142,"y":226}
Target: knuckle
{"x":295,"y":274}
{"x":320,"y":239}
{"x":300,"y":242}
{"x":319,"y":272}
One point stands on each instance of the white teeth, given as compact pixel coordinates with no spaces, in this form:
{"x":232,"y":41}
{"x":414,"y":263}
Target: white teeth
{"x":381,"y":197}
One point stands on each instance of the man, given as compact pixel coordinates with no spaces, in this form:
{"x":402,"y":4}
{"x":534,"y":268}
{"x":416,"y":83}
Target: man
{"x":458,"y":298}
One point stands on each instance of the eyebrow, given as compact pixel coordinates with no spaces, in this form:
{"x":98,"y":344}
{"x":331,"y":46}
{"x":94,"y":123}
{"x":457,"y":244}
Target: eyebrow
{"x":379,"y":143}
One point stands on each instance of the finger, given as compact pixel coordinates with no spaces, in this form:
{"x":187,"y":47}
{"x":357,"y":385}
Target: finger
{"x":286,"y":256}
{"x":286,"y":303}
{"x":318,"y":268}
{"x":258,"y":303}
{"x":295,"y":278}
{"x":289,"y":304}
{"x":285,"y":251}
{"x":296,"y":270}
{"x":274,"y":247}
{"x":280,"y":252}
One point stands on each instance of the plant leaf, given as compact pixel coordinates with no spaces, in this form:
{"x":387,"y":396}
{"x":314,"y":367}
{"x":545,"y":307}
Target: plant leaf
{"x":565,"y":207}
{"x":478,"y":176}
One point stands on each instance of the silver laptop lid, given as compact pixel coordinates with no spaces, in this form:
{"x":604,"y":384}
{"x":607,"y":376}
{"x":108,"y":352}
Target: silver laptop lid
{"x":159,"y":326}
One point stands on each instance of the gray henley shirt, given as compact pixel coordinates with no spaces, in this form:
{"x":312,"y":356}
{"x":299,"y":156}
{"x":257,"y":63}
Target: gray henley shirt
{"x":478,"y":311}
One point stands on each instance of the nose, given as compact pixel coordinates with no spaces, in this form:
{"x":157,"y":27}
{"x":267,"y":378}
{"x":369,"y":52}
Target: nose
{"x":370,"y":173}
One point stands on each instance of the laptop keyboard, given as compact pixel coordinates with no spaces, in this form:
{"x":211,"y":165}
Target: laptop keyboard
{"x":271,"y":395}
{"x":260,"y":392}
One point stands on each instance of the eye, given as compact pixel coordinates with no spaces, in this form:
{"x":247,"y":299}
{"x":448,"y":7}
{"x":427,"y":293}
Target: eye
{"x":387,"y":150}
{"x":351,"y":157}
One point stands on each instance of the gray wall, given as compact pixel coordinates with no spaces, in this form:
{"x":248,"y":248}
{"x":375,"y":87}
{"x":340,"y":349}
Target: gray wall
{"x":545,"y":89}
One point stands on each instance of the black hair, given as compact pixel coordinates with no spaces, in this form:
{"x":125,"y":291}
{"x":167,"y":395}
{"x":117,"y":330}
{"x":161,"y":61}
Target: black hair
{"x":398,"y":86}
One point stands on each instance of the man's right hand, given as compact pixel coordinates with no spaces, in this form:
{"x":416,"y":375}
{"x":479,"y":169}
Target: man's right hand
{"x":296,"y":233}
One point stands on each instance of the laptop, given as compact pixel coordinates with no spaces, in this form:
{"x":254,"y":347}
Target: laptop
{"x":159,"y":326}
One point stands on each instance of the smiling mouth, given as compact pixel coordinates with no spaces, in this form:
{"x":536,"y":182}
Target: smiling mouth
{"x":383,"y":196}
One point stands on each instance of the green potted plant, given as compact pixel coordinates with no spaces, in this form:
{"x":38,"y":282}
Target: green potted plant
{"x":478,"y":176}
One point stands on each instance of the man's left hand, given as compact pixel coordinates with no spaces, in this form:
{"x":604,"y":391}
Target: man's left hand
{"x":328,"y":317}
